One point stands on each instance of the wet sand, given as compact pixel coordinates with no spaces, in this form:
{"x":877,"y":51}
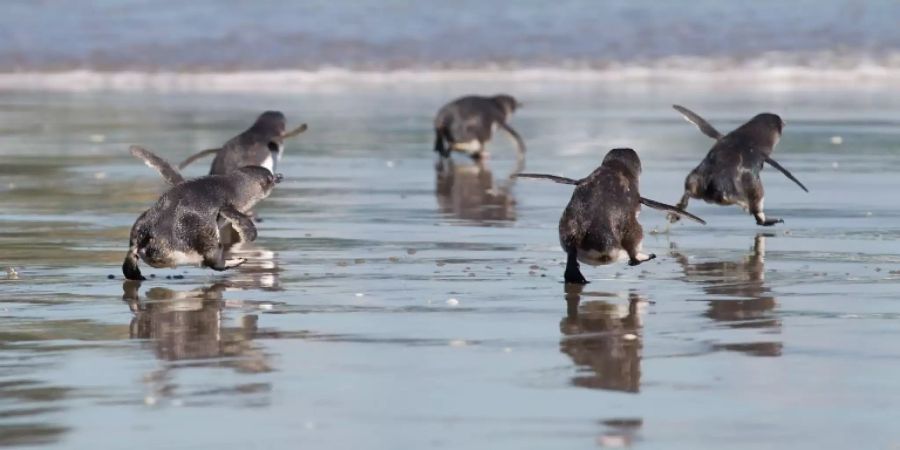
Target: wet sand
{"x":384,"y":307}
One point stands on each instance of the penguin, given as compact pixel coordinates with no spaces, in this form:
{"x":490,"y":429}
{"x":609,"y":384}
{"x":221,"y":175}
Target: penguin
{"x":260,"y":145}
{"x":729,"y":175}
{"x":600,"y":224}
{"x":467,"y":123}
{"x":184,"y":224}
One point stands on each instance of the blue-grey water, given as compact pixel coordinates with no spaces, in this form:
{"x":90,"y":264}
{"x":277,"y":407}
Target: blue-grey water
{"x":207,"y":35}
{"x":382,"y":308}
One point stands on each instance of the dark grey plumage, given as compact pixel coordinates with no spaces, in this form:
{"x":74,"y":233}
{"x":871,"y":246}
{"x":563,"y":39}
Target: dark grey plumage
{"x":184,"y":224}
{"x":729,"y":174}
{"x":600,"y":223}
{"x":467,"y":123}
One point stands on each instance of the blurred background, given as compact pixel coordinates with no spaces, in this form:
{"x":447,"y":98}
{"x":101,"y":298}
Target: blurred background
{"x":612,"y":38}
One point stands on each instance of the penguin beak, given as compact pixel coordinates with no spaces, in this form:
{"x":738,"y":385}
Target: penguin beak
{"x":278,"y":178}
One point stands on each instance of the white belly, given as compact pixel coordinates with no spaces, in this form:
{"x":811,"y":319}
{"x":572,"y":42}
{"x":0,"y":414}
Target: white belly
{"x":269,"y":163}
{"x":467,"y":147}
{"x":595,"y":258}
{"x":179,"y":258}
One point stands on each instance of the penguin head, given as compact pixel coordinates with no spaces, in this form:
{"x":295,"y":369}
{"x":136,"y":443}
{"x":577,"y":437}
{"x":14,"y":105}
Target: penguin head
{"x":256,"y":182}
{"x":271,"y":123}
{"x":624,"y":158}
{"x":507,"y":102}
{"x":765,"y":129}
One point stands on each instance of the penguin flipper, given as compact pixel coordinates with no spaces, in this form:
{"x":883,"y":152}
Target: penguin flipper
{"x":701,"y":123}
{"x":240,"y":221}
{"x":554,"y":178}
{"x":169,"y":173}
{"x":672,"y":209}
{"x":786,"y":173}
{"x":197,"y":156}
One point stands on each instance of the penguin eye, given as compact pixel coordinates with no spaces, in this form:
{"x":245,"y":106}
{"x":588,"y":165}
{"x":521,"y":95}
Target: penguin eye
{"x":273,"y":146}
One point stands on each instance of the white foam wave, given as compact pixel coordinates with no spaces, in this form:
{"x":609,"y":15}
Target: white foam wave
{"x":775,"y":69}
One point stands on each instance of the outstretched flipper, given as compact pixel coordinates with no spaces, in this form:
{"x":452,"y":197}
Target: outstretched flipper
{"x":701,"y":123}
{"x":240,"y":222}
{"x":671,"y":209}
{"x":520,"y":144}
{"x":294,"y":132}
{"x":785,"y":172}
{"x":198,"y":155}
{"x":169,"y":173}
{"x":557,"y":179}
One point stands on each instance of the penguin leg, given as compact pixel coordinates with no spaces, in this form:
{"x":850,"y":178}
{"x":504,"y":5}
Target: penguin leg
{"x":573,"y":274}
{"x":755,"y":197}
{"x":682,"y":204}
{"x":240,"y":222}
{"x":632,"y":241}
{"x":756,"y":208}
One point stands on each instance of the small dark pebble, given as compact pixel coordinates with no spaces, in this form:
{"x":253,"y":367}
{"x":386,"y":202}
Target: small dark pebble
{"x":110,"y":277}
{"x":152,"y":275}
{"x":168,"y":277}
{"x":178,"y":277}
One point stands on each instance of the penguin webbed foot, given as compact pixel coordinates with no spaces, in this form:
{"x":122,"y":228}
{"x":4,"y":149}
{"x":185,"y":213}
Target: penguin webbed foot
{"x":637,"y":261}
{"x":222,"y":265}
{"x":574,"y":276}
{"x":769,"y":222}
{"x":232,"y":263}
{"x":764,"y":221}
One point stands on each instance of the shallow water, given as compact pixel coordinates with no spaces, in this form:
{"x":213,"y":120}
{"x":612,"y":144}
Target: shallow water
{"x":340,"y":332}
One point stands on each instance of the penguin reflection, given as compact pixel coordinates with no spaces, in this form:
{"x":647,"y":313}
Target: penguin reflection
{"x":468,"y":192}
{"x":603,"y":341}
{"x":188,"y":326}
{"x":260,"y":271}
{"x":744,"y":281}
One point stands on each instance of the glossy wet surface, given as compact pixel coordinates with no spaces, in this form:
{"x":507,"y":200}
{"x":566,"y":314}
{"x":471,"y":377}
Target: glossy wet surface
{"x":385,"y":308}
